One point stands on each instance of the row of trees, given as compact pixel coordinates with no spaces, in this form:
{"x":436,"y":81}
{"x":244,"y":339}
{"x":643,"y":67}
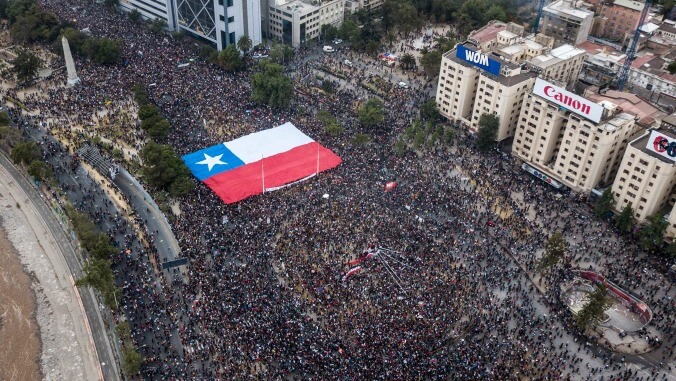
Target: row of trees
{"x":650,"y":234}
{"x":162,"y":168}
{"x":103,"y":51}
{"x":97,"y":270}
{"x":132,"y":359}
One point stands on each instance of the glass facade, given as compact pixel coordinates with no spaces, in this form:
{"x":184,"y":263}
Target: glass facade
{"x":198,"y":17}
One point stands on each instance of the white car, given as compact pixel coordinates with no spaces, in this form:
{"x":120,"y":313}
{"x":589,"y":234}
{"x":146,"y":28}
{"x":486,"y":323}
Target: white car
{"x":403,"y":85}
{"x":337,"y":41}
{"x":347,"y":63}
{"x":328,"y":49}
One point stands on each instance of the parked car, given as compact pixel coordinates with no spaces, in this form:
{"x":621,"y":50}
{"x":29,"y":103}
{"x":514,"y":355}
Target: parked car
{"x":347,"y":63}
{"x":337,"y":41}
{"x":403,"y":85}
{"x":328,"y":49}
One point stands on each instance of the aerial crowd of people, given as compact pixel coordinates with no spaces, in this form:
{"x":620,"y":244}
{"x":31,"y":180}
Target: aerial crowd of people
{"x":446,"y":294}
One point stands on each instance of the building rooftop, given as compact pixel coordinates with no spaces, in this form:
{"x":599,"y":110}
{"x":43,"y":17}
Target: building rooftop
{"x":507,"y":34}
{"x":567,"y":8}
{"x":565,"y":52}
{"x":629,"y":103}
{"x":667,"y":27}
{"x":488,"y":32}
{"x":299,"y":6}
{"x":642,"y":143}
{"x":631,"y":4}
{"x":649,"y":27}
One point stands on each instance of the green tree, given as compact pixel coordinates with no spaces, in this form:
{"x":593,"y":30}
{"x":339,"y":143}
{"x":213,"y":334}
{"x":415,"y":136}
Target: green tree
{"x":135,"y":16}
{"x":26,"y":66}
{"x":625,"y":220}
{"x":672,"y":67}
{"x":76,"y":40}
{"x":244,"y":43}
{"x":449,"y":136}
{"x":40,"y":170}
{"x":24,"y":153}
{"x":594,"y":309}
{"x":348,"y":30}
{"x":123,"y":332}
{"x":9,"y":137}
{"x":103,"y":51}
{"x":18,"y":8}
{"x":147,"y":111}
{"x":98,"y":274}
{"x":604,"y":205}
{"x":162,"y":169}
{"x":431,"y":62}
{"x":4,"y":119}
{"x":495,"y":12}
{"x":324,"y":117}
{"x":35,"y":26}
{"x":429,"y":111}
{"x":157,"y":26}
{"x":371,"y":113}
{"x":400,"y":148}
{"x":333,"y":128}
{"x":555,"y":249}
{"x":132,"y":361}
{"x":489,"y":125}
{"x":361,"y":139}
{"x":329,"y":32}
{"x":156,"y":127}
{"x":271,"y":87}
{"x":652,"y":234}
{"x":407,"y":61}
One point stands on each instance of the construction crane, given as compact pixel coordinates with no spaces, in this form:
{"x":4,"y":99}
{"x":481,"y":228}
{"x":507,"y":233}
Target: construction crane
{"x":623,"y":74}
{"x":541,"y":5}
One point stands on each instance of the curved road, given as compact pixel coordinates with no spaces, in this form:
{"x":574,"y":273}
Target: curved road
{"x":97,"y":328}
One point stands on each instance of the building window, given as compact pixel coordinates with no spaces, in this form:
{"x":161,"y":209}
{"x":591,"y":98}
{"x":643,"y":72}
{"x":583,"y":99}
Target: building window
{"x":232,"y":38}
{"x":231,"y":19}
{"x":229,"y":3}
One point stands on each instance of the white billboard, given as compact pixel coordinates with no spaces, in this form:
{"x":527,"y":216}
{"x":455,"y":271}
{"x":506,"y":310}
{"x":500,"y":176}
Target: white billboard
{"x":575,"y":103}
{"x":662,"y":145}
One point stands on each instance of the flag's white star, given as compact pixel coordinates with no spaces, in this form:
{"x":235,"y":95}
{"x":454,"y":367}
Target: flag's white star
{"x":211,"y":161}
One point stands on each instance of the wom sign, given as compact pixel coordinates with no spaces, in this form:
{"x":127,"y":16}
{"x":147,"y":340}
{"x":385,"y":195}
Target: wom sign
{"x":575,"y":103}
{"x":477,"y":59}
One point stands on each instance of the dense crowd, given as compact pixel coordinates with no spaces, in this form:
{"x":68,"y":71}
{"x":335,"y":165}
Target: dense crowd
{"x":265,"y":298}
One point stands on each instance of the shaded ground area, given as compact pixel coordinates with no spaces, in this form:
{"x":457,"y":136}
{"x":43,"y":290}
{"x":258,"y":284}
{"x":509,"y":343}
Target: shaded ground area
{"x":19,"y":332}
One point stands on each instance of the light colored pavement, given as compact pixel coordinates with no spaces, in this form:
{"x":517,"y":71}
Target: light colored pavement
{"x":90,"y":331}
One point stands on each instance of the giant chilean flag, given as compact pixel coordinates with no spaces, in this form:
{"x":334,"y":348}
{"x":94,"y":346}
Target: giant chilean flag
{"x":265,"y":160}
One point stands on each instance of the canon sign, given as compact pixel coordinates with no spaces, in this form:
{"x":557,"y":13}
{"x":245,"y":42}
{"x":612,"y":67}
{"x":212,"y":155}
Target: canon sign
{"x":566,"y":99}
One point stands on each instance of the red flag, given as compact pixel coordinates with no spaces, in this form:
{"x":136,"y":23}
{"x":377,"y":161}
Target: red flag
{"x":390,"y":186}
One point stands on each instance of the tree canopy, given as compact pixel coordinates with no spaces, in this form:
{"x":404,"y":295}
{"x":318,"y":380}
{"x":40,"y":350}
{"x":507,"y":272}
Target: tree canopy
{"x":593,"y":311}
{"x":652,"y":234}
{"x":488,"y":132}
{"x":230,"y":60}
{"x":26,"y":66}
{"x":271,"y":87}
{"x":555,"y":249}
{"x":371,"y":113}
{"x":604,"y":205}
{"x":625,"y":220}
{"x":244,"y":43}
{"x":162,"y":169}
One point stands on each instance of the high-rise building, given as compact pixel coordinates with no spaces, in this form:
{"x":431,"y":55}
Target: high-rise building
{"x":567,"y":22}
{"x":494,"y":69}
{"x":219,"y":22}
{"x":572,"y":139}
{"x":647,"y":174}
{"x":152,"y":9}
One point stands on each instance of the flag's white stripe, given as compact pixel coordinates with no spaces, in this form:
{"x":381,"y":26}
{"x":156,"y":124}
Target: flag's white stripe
{"x":267,"y":143}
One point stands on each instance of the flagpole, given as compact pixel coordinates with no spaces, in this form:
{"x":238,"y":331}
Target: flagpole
{"x":317,"y":160}
{"x":263,"y":173}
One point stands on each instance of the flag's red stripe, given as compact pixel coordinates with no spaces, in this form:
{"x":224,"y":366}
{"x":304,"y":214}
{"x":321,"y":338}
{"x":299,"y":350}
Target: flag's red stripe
{"x":280,"y":169}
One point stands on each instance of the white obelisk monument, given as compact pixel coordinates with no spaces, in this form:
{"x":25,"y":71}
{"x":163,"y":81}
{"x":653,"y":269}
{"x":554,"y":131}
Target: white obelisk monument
{"x":73,"y":79}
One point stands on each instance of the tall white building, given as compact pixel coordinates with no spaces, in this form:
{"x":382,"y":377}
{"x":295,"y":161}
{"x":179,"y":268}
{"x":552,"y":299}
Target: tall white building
{"x":492,"y":72}
{"x":220,"y":22}
{"x":152,"y":9}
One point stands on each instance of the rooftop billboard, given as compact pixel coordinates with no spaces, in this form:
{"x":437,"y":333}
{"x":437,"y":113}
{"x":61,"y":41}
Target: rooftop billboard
{"x":564,"y":98}
{"x":478,"y":59}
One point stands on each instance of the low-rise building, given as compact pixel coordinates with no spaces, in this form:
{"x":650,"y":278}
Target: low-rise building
{"x":620,"y":16}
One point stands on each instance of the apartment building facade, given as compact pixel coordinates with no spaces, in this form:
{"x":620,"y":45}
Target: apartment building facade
{"x":297,"y":22}
{"x":646,"y":177}
{"x":567,"y":22}
{"x":571,"y":139}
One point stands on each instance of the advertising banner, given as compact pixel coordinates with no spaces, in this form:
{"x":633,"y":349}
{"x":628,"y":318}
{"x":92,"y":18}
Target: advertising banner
{"x":477,"y":59}
{"x":662,"y":145}
{"x":564,"y":98}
